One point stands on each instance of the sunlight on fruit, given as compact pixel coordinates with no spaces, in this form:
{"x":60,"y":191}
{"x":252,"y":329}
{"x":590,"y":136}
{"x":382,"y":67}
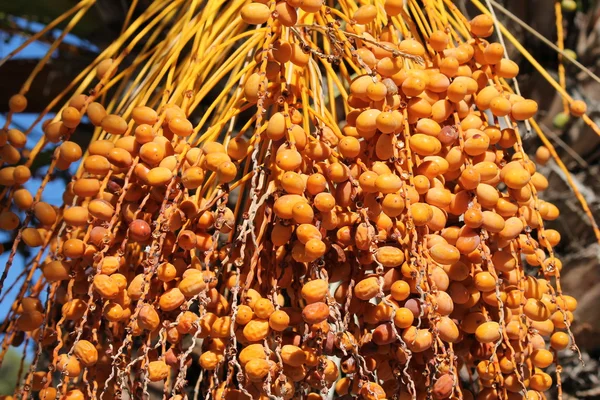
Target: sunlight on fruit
{"x":295,"y":198}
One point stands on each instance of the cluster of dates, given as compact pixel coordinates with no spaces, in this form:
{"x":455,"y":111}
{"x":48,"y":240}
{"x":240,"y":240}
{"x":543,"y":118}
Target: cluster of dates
{"x":380,"y":253}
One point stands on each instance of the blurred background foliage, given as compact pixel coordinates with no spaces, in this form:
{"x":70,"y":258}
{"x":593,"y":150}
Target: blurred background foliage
{"x":9,"y":371}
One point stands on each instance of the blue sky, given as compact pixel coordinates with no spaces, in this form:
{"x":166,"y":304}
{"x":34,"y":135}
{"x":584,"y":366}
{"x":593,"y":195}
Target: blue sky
{"x":36,"y":49}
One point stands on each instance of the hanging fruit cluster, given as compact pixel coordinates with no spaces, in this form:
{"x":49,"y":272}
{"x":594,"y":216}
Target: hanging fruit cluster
{"x":335,"y":202}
